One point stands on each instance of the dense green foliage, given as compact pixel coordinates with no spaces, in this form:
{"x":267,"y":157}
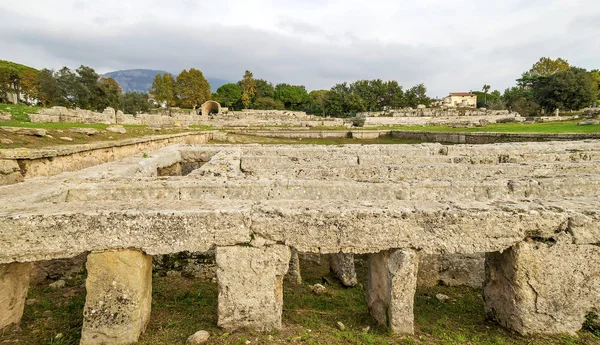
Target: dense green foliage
{"x":135,"y":102}
{"x":229,"y":94}
{"x":553,"y":84}
{"x":189,"y":90}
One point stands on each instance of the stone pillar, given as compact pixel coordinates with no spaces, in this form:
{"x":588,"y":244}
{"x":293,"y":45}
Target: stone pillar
{"x":251,"y":286}
{"x":119,"y":296}
{"x":294,"y":276}
{"x":537,"y":288}
{"x":391,"y":288}
{"x":14,"y":283}
{"x":342,"y":265}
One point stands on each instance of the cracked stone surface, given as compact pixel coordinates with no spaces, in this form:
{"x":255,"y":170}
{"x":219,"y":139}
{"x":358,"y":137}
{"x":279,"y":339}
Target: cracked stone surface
{"x":543,"y":288}
{"x":251,"y":286}
{"x":14,"y":284}
{"x":118,"y":297}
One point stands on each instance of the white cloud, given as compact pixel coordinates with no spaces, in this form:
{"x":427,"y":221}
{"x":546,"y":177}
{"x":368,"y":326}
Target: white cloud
{"x":451,"y":46}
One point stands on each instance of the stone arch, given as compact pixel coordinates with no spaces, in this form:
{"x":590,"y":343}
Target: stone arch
{"x":210,"y":107}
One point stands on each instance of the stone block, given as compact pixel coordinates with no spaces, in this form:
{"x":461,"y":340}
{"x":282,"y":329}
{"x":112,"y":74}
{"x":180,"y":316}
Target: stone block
{"x":342,"y":265}
{"x":391,"y":287}
{"x":251,"y":286}
{"x":538,"y":288}
{"x":119,"y":296}
{"x":14,"y":283}
{"x":294,"y":275}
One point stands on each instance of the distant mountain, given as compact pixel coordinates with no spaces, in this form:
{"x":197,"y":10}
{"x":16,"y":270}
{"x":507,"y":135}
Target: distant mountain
{"x":140,"y":80}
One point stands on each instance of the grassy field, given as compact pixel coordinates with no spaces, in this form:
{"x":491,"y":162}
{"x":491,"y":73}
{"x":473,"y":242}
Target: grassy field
{"x":538,"y":127}
{"x":19,"y":112}
{"x":182,"y":306}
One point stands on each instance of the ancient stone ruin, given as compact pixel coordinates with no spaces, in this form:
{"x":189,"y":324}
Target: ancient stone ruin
{"x":531,"y":209}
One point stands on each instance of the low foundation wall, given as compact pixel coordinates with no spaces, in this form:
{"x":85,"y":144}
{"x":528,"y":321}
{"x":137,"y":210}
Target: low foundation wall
{"x":18,"y":164}
{"x":439,"y":137}
{"x":489,"y":137}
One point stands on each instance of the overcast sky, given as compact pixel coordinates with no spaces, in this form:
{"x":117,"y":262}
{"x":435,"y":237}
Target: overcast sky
{"x":448,"y":45}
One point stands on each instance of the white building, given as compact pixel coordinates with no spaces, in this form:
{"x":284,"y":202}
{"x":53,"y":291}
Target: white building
{"x":460,"y":99}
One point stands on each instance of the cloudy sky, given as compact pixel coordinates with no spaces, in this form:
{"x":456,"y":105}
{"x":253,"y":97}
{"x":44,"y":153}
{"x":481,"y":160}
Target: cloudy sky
{"x":448,"y":45}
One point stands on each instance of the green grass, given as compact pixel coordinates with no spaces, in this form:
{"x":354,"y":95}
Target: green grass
{"x":538,"y":127}
{"x":19,"y":112}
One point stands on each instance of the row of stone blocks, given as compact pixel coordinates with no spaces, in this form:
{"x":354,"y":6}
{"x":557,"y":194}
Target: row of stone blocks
{"x":532,"y":287}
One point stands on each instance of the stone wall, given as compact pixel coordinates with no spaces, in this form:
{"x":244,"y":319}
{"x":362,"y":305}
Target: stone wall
{"x":18,"y":164}
{"x":178,"y":117}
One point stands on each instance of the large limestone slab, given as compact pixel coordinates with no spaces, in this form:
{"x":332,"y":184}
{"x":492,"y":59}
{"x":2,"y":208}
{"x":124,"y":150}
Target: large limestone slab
{"x":543,"y":288}
{"x":342,"y":265}
{"x":14,"y":284}
{"x":48,"y":230}
{"x":118,"y":299}
{"x":251,"y":286}
{"x":391,"y":287}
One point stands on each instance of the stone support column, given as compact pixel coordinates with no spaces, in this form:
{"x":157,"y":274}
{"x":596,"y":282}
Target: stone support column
{"x":251,"y":286}
{"x":538,"y":288}
{"x":342,"y":265}
{"x":14,"y":283}
{"x":119,"y":297}
{"x":294,"y":275}
{"x":391,"y":288}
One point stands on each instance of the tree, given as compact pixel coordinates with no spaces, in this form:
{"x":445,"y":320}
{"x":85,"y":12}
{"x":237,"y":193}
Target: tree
{"x":248,"y":85}
{"x":317,"y":101}
{"x":546,"y":67}
{"x":264,"y":89}
{"x":49,"y":91}
{"x":570,"y":89}
{"x":71,"y":92}
{"x":229,"y":94}
{"x":417,"y":95}
{"x":135,"y":102}
{"x":29,"y":83}
{"x":595,"y":74}
{"x":110,"y":94}
{"x":163,"y":89}
{"x":485,"y":90}
{"x":291,"y":95}
{"x":543,"y":68}
{"x":192,"y":88}
{"x":267,"y":103}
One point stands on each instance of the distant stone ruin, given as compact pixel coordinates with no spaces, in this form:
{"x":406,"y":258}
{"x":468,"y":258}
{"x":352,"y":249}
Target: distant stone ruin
{"x":531,"y":209}
{"x":211,"y":115}
{"x":210,"y":107}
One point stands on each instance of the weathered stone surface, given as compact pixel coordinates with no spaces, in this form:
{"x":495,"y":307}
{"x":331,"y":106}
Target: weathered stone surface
{"x":342,"y":265}
{"x":318,"y":289}
{"x":116,"y":129}
{"x":391,"y":287}
{"x":66,"y":138}
{"x":4,"y":141}
{"x":86,"y":131}
{"x":251,"y":286}
{"x":37,"y":132}
{"x":294,"y":275}
{"x":543,"y":288}
{"x":10,"y":172}
{"x":588,"y":122}
{"x":452,"y":270}
{"x":199,"y":337}
{"x":118,"y":299}
{"x":14,"y":284}
{"x":4,"y":116}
